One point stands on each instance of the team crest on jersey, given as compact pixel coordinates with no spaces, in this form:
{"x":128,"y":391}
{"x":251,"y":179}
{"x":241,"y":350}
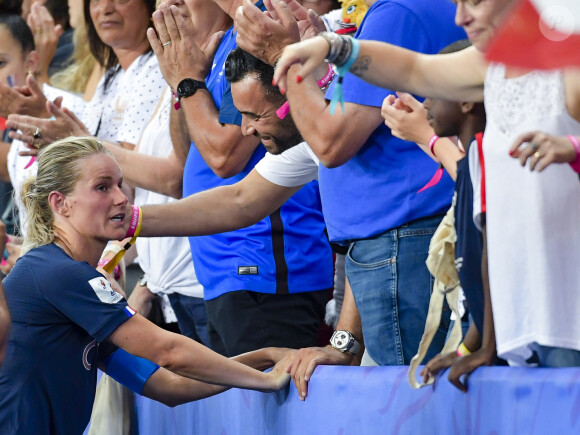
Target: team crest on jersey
{"x":104,"y":291}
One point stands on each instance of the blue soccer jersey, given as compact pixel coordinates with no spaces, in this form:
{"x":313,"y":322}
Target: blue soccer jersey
{"x":60,"y":310}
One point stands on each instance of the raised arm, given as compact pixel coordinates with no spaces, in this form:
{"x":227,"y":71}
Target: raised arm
{"x":223,"y":147}
{"x":455,"y":76}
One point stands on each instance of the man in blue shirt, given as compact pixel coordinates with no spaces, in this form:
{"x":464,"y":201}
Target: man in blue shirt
{"x":265,"y":285}
{"x":370,"y":181}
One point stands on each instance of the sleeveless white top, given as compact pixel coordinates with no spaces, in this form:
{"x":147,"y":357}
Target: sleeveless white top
{"x":533,"y":219}
{"x":166,"y":261}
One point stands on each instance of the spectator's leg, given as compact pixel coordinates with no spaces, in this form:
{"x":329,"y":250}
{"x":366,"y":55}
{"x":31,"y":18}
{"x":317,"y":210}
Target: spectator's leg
{"x":392,"y":287}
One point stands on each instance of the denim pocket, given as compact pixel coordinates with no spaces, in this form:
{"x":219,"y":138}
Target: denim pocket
{"x":371,"y":254}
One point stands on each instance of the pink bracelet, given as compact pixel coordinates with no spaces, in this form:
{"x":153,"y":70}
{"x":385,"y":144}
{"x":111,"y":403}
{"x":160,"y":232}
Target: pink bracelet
{"x":432,"y":141}
{"x":324,"y":81}
{"x":134,"y":221}
{"x":576,"y":144}
{"x":176,"y":104}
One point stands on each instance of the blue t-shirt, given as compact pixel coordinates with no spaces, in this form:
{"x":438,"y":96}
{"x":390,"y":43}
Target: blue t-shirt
{"x":377,"y":189}
{"x":287,"y":252}
{"x":60,"y":310}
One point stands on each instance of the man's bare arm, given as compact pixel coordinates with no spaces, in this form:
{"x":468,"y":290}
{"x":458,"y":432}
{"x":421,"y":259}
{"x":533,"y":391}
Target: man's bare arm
{"x":225,"y":208}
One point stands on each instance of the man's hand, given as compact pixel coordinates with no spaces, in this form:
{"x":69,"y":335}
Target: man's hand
{"x":265,"y":34}
{"x":39,"y":132}
{"x":179,"y":57}
{"x":305,"y":361}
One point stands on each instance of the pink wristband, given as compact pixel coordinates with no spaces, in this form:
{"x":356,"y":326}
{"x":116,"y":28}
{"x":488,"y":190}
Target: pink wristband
{"x":432,"y":141}
{"x":324,"y":81}
{"x":134,"y":221}
{"x":576,"y":144}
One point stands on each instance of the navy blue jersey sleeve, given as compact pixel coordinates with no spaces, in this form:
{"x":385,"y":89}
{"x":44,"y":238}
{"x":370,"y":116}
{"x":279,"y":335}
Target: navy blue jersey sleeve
{"x":85,"y":297}
{"x":228,"y":113}
{"x":386,"y":22}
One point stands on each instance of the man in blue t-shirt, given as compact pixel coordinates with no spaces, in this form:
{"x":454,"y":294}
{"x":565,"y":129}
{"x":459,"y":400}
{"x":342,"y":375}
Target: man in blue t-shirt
{"x":369,"y":183}
{"x":267,"y":284}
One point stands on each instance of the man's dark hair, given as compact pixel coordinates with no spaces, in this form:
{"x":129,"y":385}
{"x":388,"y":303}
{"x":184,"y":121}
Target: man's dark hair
{"x":19,"y":30}
{"x":240,"y":64}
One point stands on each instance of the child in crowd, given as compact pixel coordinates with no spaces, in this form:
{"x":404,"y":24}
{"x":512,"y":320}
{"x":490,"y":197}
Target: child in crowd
{"x":466,"y":120}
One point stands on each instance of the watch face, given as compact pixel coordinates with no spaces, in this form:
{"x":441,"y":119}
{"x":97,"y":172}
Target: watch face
{"x":186,"y":88}
{"x":340,"y":340}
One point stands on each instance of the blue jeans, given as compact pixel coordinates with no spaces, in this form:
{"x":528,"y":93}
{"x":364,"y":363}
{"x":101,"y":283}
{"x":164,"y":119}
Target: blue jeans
{"x":392,"y":287}
{"x":556,"y":356}
{"x":191,"y":317}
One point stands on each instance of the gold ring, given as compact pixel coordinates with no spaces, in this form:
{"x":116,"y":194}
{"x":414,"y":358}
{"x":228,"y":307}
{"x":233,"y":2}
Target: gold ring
{"x":37,"y":145}
{"x":537,"y":155}
{"x":165,"y":44}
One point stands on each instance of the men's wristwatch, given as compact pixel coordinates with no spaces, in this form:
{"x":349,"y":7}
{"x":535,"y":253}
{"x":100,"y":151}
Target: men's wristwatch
{"x":188,"y":87}
{"x":344,"y":341}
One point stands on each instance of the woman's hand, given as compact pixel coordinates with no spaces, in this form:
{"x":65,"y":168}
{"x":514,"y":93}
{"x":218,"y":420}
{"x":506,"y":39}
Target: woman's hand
{"x":13,"y":250}
{"x":46,"y":36}
{"x":278,"y":376}
{"x":309,"y":54}
{"x":23,"y":100}
{"x":542,"y":150}
{"x":39,"y":132}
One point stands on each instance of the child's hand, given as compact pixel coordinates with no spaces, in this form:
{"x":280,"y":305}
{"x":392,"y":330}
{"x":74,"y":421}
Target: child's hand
{"x":407,"y":118}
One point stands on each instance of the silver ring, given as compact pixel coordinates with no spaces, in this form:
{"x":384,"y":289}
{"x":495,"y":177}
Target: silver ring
{"x":36,"y":134}
{"x":534,"y":146}
{"x":166,"y":43}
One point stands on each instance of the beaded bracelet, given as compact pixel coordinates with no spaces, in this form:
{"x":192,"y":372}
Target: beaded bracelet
{"x":576,"y":144}
{"x":342,"y":69}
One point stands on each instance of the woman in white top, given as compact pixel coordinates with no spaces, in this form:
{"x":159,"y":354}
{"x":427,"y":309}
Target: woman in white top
{"x":532,"y":231}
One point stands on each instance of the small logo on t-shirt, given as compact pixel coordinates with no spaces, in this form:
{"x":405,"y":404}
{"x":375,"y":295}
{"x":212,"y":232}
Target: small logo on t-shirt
{"x":247,"y":270}
{"x":104,"y":291}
